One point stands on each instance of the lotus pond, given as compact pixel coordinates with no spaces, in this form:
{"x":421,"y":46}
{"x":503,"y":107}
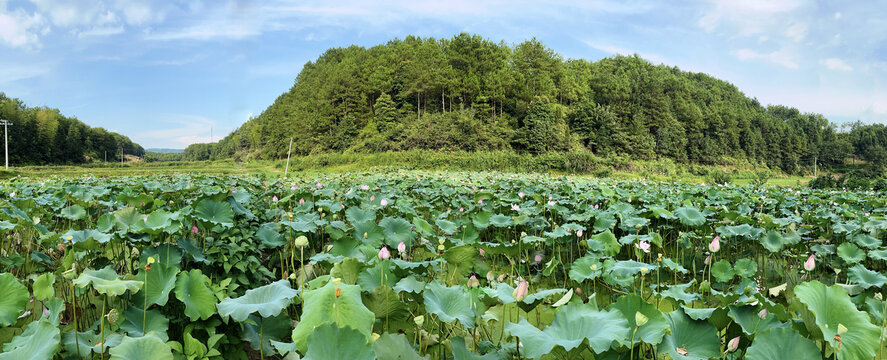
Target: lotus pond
{"x":437,"y":265}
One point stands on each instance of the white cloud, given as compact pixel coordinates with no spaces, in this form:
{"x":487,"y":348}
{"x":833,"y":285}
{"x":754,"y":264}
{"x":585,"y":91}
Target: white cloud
{"x":837,"y":15}
{"x":101,"y":31}
{"x":778,"y":57}
{"x":836,"y":64}
{"x":615,"y":50}
{"x":748,"y":16}
{"x":20,"y":29}
{"x":797,"y":31}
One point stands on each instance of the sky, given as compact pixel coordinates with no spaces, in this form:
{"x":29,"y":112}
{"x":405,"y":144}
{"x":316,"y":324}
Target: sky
{"x":172,"y":73}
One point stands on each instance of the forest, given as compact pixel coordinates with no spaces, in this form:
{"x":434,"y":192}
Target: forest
{"x":470,"y":93}
{"x":42,"y":135}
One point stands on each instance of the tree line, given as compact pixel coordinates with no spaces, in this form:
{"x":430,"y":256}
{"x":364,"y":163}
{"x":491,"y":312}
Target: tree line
{"x":42,"y":135}
{"x":470,"y":93}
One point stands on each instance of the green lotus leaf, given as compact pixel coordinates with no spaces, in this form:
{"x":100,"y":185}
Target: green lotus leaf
{"x":396,"y":230}
{"x":689,"y":216}
{"x":449,"y":303}
{"x":748,"y":319}
{"x":866,"y":241}
{"x":501,"y":221}
{"x":831,"y":306}
{"x":782,"y":343}
{"x":700,"y":313}
{"x":461,"y":352}
{"x":394,"y":347}
{"x":268,"y":300}
{"x":43,"y":287}
{"x":151,"y":321}
{"x":330,"y":342}
{"x":461,"y":259}
{"x":773,"y":241}
{"x":746,"y":268}
{"x":850,"y":253}
{"x":264,"y":330}
{"x":269,"y":236}
{"x":348,"y":270}
{"x":192,"y":288}
{"x":409,"y":284}
{"x":5,"y":225}
{"x":587,"y":267}
{"x":651,"y":332}
{"x":158,"y":220}
{"x":573,"y":324}
{"x":106,"y":281}
{"x":865,"y":277}
{"x":322,"y":306}
{"x":378,"y":275}
{"x":608,"y":240}
{"x":722,"y":271}
{"x":679,"y":292}
{"x":39,"y":341}
{"x":161,"y":279}
{"x":689,"y":339}
{"x":73,"y":212}
{"x":147,"y":347}
{"x":167,"y":254}
{"x":215,"y":212}
{"x":85,"y":239}
{"x":448,"y":227}
{"x":356,"y":215}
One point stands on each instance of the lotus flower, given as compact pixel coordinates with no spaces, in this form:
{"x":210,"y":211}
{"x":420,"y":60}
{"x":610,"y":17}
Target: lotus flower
{"x":302,"y":201}
{"x":401,"y":247}
{"x":490,"y":275}
{"x":520,"y":292}
{"x":810,"y":264}
{"x":762,"y":314}
{"x":707,"y":260}
{"x":319,"y":185}
{"x":550,"y":203}
{"x":473,"y":282}
{"x":384,"y":254}
{"x":481,"y":252}
{"x":521,"y":195}
{"x":274,"y":199}
{"x":373,"y":197}
{"x":579,"y":233}
{"x":733,"y":344}
{"x":384,"y":202}
{"x":501,"y":277}
{"x":643,"y":245}
{"x":715,"y":244}
{"x":538,"y":258}
{"x":515,"y":207}
{"x":194,"y":229}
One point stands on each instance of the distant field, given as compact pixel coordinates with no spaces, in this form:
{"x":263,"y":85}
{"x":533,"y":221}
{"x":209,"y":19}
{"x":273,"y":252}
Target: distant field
{"x":556,"y":164}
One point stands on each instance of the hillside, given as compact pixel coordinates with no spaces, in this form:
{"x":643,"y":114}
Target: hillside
{"x":42,"y":135}
{"x":469,"y":93}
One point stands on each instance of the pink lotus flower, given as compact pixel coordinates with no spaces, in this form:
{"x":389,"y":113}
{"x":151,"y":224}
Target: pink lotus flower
{"x":319,"y":185}
{"x":707,"y":260}
{"x":481,"y":201}
{"x":384,"y":254}
{"x":481,"y":252}
{"x":550,"y":203}
{"x":384,"y":202}
{"x":521,"y":195}
{"x":274,"y":199}
{"x":715,"y":244}
{"x":461,"y":209}
{"x":373,"y":197}
{"x":401,"y":247}
{"x":762,"y":314}
{"x":810,"y":264}
{"x":194,"y":229}
{"x":537,"y":258}
{"x":579,"y":233}
{"x":473,"y":282}
{"x":643,"y":245}
{"x":733,"y":345}
{"x":520,"y":292}
{"x":302,"y":201}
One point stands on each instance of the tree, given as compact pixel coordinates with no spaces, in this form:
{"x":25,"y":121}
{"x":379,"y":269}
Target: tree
{"x":385,"y":113}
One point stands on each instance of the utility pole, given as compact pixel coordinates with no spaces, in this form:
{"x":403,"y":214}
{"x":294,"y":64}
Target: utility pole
{"x":288,"y":159}
{"x":6,"y":124}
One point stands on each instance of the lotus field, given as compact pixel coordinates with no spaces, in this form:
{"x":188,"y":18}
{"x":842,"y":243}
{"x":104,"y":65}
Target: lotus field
{"x":437,"y":265}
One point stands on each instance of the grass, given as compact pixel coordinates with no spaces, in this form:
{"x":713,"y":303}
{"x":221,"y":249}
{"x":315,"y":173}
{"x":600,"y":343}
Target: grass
{"x":552,"y":163}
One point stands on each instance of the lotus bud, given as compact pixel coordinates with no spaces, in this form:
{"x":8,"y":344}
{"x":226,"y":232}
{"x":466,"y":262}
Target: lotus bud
{"x":384,"y":202}
{"x":490,"y":275}
{"x":501,"y":277}
{"x":301,"y":241}
{"x":481,"y":252}
{"x":579,"y":233}
{"x":733,"y":345}
{"x":520,"y":292}
{"x":419,"y":320}
{"x":274,"y":199}
{"x":521,"y":195}
{"x":302,"y":201}
{"x":810,"y":264}
{"x":640,"y":319}
{"x":473,"y":282}
{"x":879,"y":296}
{"x":537,"y":258}
{"x":384,"y":254}
{"x":762,"y":314}
{"x":373,"y":197}
{"x":401,"y":247}
{"x":715,"y":244}
{"x":707,"y":260}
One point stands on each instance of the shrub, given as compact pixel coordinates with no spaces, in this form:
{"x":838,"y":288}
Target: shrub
{"x":718,"y":176}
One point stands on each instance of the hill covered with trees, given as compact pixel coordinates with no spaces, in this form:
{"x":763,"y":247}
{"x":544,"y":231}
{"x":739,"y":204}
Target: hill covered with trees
{"x":42,"y":135}
{"x":469,"y":93}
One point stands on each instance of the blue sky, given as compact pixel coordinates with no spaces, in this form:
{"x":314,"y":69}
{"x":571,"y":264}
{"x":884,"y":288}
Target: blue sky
{"x":166,"y":73}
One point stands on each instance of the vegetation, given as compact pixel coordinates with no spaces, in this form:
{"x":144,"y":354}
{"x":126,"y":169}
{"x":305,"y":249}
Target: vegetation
{"x":468,"y":93}
{"x":42,"y":135}
{"x":419,"y":265}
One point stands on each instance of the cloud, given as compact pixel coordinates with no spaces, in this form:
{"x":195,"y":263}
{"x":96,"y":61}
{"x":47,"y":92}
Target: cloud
{"x":778,"y":57}
{"x":101,"y":31}
{"x":178,"y":131}
{"x":836,"y":64}
{"x":615,"y":50}
{"x":20,"y":29}
{"x":748,"y":16}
